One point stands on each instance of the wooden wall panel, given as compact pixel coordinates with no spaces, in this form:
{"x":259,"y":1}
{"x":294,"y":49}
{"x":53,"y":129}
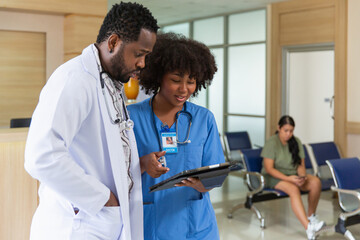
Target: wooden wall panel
{"x":19,"y":191}
{"x":340,"y":76}
{"x":300,"y":22}
{"x":307,"y":26}
{"x":301,"y":5}
{"x":69,"y":56}
{"x":93,"y":7}
{"x":22,"y":73}
{"x":353,"y":127}
{"x":79,"y":32}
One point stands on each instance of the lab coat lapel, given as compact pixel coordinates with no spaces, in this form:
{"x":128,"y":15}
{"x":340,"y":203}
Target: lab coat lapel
{"x":136,"y":203}
{"x":115,"y":148}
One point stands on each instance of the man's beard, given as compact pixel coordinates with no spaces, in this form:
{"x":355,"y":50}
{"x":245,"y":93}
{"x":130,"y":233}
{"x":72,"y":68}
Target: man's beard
{"x":118,"y":67}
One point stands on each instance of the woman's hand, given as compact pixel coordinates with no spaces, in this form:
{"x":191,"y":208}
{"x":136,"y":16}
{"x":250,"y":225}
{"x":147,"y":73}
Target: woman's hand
{"x":150,"y":164}
{"x":298,"y":181}
{"x":302,"y":180}
{"x":195,"y":183}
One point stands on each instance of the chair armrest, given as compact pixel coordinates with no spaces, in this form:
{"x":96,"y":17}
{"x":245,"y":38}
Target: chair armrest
{"x":347,"y":191}
{"x":355,"y":193}
{"x":313,"y":160}
{"x":255,"y":189}
{"x":273,"y":192}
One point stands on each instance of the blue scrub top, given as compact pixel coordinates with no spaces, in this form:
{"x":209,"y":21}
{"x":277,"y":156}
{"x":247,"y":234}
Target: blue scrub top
{"x":179,"y":212}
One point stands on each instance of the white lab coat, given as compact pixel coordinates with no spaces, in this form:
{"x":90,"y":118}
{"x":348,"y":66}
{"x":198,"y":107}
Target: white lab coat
{"x":76,"y":153}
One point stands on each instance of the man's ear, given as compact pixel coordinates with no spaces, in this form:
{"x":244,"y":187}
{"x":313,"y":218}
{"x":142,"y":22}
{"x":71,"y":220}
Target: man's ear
{"x":113,"y":42}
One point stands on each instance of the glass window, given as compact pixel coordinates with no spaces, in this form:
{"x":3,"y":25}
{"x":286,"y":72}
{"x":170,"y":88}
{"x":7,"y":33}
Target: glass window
{"x":246,"y":80}
{"x":216,"y":88}
{"x":209,"y":31}
{"x":245,"y":70}
{"x":247,"y":27}
{"x":182,"y":28}
{"x":253,"y":125}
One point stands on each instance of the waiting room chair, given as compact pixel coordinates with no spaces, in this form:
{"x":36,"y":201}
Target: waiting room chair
{"x":308,"y":164}
{"x":345,"y":173}
{"x":239,"y":166}
{"x":312,"y":168}
{"x":319,"y":153}
{"x":235,"y":141}
{"x":255,"y":182}
{"x":222,"y":145}
{"x":20,"y":122}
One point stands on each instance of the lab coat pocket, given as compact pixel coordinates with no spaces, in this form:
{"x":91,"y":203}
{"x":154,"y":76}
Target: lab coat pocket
{"x":106,"y":225}
{"x":149,"y":221}
{"x":199,"y":216}
{"x":109,"y":220}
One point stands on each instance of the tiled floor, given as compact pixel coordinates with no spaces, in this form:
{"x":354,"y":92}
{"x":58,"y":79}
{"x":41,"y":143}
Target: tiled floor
{"x":281,"y":223}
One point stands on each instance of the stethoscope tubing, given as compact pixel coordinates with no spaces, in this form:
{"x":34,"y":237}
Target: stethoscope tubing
{"x":176,"y":123}
{"x":128,"y":123}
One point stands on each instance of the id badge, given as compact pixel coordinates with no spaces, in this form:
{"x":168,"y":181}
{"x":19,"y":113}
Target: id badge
{"x":169,"y":143}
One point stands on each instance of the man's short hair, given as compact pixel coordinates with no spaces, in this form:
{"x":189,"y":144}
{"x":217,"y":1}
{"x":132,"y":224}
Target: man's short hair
{"x":127,"y":20}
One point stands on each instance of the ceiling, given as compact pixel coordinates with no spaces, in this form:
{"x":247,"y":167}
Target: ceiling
{"x":174,"y":11}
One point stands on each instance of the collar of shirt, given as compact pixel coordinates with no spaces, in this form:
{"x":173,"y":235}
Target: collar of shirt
{"x":118,"y":85}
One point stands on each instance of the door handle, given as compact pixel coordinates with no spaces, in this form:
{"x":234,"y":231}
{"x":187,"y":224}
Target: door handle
{"x":332,"y":106}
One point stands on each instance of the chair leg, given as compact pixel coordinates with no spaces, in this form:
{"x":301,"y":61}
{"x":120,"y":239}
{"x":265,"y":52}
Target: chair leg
{"x":250,"y":206}
{"x":341,"y":228}
{"x":349,"y":235}
{"x":232,"y":210}
{"x":259,"y":216}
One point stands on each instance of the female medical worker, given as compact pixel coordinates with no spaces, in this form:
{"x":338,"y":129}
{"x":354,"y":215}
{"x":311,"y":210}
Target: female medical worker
{"x":176,"y":69}
{"x":284,"y":169}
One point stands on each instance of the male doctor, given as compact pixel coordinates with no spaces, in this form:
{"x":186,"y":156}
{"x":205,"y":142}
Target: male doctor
{"x":81,"y":145}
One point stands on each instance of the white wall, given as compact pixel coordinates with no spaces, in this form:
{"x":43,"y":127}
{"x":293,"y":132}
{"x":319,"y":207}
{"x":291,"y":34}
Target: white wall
{"x":353,"y":100}
{"x":311,"y":81}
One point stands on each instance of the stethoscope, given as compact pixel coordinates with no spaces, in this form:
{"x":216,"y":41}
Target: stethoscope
{"x":123,"y":124}
{"x":187,"y":140}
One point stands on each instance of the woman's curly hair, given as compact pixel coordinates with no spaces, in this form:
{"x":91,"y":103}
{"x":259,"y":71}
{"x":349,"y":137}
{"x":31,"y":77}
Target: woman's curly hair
{"x":174,"y":52}
{"x":127,"y":20}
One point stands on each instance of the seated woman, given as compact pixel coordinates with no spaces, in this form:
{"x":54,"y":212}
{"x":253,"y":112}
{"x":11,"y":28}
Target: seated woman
{"x":176,"y":69}
{"x":284,"y":169}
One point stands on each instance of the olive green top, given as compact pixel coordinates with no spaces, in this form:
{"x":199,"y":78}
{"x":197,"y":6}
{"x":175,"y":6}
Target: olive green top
{"x":281,"y":155}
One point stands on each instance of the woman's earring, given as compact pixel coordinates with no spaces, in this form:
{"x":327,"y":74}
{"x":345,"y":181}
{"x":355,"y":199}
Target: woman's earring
{"x":111,"y":50}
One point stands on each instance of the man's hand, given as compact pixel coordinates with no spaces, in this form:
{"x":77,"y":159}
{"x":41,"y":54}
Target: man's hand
{"x":195,"y":183}
{"x":151,"y":165}
{"x":112,"y":202}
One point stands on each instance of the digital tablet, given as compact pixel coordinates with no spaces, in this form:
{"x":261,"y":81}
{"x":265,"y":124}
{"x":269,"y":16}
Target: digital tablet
{"x":211,"y":176}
